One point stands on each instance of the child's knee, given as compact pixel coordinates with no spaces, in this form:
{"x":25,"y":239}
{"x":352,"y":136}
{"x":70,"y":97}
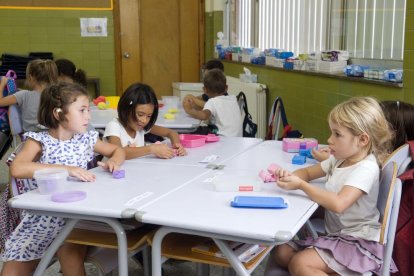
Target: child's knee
{"x":15,"y":268}
{"x":283,"y":254}
{"x":72,"y":253}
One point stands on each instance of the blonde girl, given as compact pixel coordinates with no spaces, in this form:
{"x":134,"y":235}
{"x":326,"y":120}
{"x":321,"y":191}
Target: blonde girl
{"x":39,"y":75}
{"x":360,"y":139}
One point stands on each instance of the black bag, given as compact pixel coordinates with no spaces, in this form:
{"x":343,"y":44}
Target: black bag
{"x":249,"y":127}
{"x":288,"y":131}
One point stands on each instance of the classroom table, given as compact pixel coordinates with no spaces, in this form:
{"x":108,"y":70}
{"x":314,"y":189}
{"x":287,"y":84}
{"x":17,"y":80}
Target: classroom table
{"x":182,"y":122}
{"x":198,"y":209}
{"x":221,"y":151}
{"x":109,"y":199}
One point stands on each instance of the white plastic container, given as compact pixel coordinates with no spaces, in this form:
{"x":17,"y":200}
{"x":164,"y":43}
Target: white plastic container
{"x":237,"y":183}
{"x":170,"y":101}
{"x":50,"y":181}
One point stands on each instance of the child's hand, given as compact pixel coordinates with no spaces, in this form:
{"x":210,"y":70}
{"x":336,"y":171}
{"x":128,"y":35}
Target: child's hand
{"x":4,"y":80}
{"x":287,"y":180}
{"x":109,"y":165}
{"x":162,"y":151}
{"x":321,"y":154}
{"x":188,"y":103}
{"x":180,"y":149}
{"x":81,"y":174}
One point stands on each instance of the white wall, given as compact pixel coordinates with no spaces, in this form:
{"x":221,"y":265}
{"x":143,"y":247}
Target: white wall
{"x":214,"y":5}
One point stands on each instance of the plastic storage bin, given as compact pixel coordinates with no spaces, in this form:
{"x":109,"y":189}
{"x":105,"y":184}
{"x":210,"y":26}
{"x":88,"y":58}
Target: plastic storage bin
{"x":51,"y":181}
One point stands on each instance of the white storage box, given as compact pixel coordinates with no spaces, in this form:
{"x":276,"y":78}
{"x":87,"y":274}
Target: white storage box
{"x":235,"y":57}
{"x":331,"y":66}
{"x":180,"y":89}
{"x":275,"y":62}
{"x":246,"y":58}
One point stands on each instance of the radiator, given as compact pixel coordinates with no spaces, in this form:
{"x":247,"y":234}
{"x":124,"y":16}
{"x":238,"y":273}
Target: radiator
{"x":256,"y":101}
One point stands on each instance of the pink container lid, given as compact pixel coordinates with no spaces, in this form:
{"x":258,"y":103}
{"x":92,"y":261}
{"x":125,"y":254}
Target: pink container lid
{"x":196,"y":140}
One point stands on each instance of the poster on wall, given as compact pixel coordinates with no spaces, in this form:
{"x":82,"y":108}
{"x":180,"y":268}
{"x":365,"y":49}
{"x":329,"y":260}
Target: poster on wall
{"x":94,"y":26}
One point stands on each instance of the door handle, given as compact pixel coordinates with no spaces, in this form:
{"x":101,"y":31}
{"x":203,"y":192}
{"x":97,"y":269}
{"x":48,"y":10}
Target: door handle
{"x":126,"y":55}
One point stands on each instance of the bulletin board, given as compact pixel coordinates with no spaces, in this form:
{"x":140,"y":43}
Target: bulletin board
{"x":57,"y":5}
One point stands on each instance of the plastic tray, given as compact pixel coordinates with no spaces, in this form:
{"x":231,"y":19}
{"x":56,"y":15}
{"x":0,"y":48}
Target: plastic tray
{"x":196,"y":140}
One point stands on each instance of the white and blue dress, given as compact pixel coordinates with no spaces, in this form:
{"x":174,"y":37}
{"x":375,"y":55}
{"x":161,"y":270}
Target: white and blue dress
{"x":35,"y":233}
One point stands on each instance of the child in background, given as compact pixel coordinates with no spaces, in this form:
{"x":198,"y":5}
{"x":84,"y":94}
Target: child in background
{"x":222,"y":110}
{"x":39,"y":75}
{"x":68,"y":72}
{"x":360,"y":140}
{"x":64,"y":110}
{"x":137,"y":113}
{"x":401,"y":116}
{"x":200,"y":101}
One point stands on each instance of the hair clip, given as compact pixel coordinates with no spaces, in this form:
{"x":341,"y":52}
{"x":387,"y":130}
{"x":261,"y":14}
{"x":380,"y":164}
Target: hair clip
{"x":130,"y":103}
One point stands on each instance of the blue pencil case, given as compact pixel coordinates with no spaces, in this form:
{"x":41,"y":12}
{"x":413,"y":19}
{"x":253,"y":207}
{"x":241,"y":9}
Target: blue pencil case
{"x":259,"y":202}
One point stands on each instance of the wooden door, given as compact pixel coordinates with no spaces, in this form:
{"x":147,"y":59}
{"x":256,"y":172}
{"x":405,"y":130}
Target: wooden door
{"x":160,"y":42}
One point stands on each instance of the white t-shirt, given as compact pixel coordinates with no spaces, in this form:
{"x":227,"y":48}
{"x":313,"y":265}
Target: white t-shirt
{"x":114,"y":128}
{"x":226,"y":115}
{"x":361,"y":219}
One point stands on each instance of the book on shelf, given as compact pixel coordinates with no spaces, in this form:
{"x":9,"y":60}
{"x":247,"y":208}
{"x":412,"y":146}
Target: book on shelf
{"x":245,"y":252}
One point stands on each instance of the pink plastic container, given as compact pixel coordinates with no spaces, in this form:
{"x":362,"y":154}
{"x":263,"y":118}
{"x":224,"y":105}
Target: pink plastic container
{"x":294,"y":144}
{"x":195,"y":140}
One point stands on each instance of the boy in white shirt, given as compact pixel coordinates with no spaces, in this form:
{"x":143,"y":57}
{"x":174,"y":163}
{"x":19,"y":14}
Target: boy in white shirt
{"x":221,"y":109}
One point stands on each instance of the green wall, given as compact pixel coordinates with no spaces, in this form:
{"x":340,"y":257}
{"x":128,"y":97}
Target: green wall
{"x":58,"y":31}
{"x":309,"y":98}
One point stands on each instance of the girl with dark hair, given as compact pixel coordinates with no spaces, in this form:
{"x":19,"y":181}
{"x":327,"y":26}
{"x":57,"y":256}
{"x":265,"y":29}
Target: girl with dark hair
{"x":137,"y":113}
{"x":69,"y":73}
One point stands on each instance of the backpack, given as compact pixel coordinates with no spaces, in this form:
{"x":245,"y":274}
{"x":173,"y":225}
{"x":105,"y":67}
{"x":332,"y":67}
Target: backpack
{"x":8,"y":90}
{"x":273,"y":126}
{"x":249,"y":127}
{"x":403,"y":252}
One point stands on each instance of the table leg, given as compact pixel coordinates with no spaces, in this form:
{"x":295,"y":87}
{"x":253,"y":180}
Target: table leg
{"x":54,"y":246}
{"x":218,"y":239}
{"x":231,"y":257}
{"x":156,"y":250}
{"x":122,"y":244}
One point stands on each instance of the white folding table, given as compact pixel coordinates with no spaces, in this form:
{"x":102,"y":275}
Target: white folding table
{"x":109,"y":199}
{"x":225,"y":149}
{"x":182,"y":122}
{"x":196,"y":208}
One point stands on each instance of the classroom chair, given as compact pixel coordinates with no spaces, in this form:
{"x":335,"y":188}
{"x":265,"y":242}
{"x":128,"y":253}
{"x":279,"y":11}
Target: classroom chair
{"x":103,"y":246}
{"x":179,"y":247}
{"x":402,"y":157}
{"x":16,"y":125}
{"x":5,"y":143}
{"x":388,"y":204}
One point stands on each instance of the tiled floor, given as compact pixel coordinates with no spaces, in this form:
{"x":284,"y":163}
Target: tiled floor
{"x":170,"y":268}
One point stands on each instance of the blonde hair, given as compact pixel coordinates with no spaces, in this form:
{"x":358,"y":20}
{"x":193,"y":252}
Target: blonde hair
{"x":43,"y":71}
{"x":364,"y":115}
